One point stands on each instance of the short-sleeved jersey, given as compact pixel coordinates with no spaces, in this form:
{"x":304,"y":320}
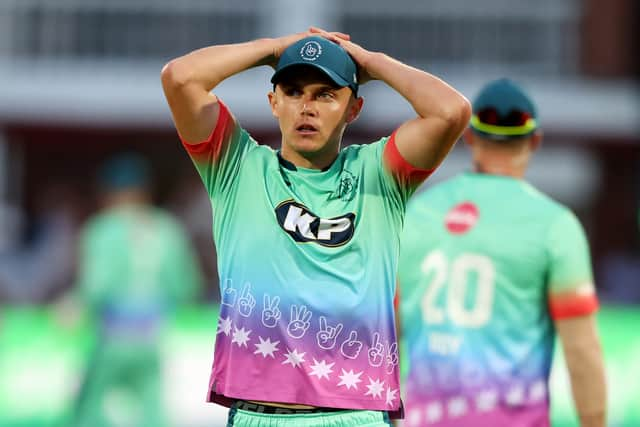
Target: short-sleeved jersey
{"x":307,"y":262}
{"x":487,"y":262}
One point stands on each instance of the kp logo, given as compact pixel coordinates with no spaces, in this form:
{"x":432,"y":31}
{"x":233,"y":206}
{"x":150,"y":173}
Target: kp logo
{"x":304,"y":226}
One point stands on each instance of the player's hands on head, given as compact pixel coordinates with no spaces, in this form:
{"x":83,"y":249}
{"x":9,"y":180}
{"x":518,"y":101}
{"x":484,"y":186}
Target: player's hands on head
{"x":362,"y":57}
{"x":281,"y":43}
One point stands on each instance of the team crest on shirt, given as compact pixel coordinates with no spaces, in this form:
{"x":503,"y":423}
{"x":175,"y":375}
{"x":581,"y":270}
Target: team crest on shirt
{"x":347,"y":187}
{"x":461,"y":218}
{"x":305,"y":226}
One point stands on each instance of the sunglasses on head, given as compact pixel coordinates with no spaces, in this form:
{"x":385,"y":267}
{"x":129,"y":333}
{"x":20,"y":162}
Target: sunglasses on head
{"x":490,"y":116}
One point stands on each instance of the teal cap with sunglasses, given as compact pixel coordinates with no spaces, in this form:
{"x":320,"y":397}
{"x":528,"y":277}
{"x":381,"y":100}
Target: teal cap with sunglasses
{"x":503,"y":110}
{"x":325,"y":55}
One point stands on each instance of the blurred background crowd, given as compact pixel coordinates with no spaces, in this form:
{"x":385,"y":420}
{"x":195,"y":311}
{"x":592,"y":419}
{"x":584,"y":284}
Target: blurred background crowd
{"x":79,"y":87}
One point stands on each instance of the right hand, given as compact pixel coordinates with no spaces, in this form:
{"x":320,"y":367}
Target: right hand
{"x":282,"y":43}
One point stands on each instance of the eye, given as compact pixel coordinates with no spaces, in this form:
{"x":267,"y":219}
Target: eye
{"x":326,"y":94}
{"x":292,"y":91}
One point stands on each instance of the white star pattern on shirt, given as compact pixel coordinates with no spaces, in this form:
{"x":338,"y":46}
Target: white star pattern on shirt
{"x":538,"y":391}
{"x":391,"y":395}
{"x":349,"y":379}
{"x":515,"y":395}
{"x":375,"y":388}
{"x":457,"y":407}
{"x":486,"y":400}
{"x":224,"y":326}
{"x":240,"y":337}
{"x":321,"y":369}
{"x":434,"y":412}
{"x":266,"y":347}
{"x":293,"y":358}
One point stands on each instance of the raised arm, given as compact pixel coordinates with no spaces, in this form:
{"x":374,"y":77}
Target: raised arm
{"x":443,"y":113}
{"x":188,"y":80}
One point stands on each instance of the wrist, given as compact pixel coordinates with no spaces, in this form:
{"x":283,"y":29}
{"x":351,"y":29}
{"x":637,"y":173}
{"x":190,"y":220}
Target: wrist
{"x":371,"y":64}
{"x":268,"y":47}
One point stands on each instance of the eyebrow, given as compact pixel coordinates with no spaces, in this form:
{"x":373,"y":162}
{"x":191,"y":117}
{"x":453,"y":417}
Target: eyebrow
{"x":299,"y":85}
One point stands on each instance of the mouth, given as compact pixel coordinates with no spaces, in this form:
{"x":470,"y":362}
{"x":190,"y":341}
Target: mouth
{"x":306,"y":129}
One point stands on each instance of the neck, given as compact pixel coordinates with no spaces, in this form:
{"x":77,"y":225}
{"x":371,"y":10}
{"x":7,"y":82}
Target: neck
{"x":499,"y":168}
{"x":316,"y":160}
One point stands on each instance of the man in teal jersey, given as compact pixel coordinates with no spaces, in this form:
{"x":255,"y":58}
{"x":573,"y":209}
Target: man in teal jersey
{"x":307,"y":236}
{"x":136,"y":265}
{"x":490,"y":269}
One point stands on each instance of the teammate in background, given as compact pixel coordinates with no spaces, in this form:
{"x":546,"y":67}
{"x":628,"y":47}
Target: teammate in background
{"x":136,"y":266}
{"x":308,"y":235}
{"x":490,"y":269}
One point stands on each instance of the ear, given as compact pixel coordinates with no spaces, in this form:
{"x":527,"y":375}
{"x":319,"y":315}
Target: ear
{"x":536,"y":140}
{"x":355,"y":106}
{"x":468,"y":137}
{"x":273,"y":102}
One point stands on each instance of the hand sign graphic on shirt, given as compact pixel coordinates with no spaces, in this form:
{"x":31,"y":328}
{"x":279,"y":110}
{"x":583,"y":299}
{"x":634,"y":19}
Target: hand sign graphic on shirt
{"x":270,"y":312}
{"x":299,"y":322}
{"x":392,"y":357}
{"x":327,"y":335}
{"x":246,"y":302}
{"x":376,"y":351}
{"x":351,"y":347}
{"x":228,"y":293}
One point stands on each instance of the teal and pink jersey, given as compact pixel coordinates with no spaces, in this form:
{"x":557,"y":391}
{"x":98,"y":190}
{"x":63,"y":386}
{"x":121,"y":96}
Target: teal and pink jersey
{"x":307,"y":262}
{"x":487,"y":264}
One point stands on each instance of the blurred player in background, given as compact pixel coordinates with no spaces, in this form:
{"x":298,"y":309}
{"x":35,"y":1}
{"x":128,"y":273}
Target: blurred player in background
{"x":490,"y":269}
{"x":308,"y":235}
{"x":136,"y":266}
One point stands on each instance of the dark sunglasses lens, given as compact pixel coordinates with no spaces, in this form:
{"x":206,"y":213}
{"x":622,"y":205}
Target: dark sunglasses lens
{"x":490,"y":116}
{"x":515,"y":118}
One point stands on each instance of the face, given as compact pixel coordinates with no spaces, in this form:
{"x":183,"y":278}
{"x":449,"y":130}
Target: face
{"x":313,"y":114}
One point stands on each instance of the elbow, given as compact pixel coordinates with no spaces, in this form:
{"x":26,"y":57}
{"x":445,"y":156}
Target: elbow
{"x":174,"y":75}
{"x":458,"y":113}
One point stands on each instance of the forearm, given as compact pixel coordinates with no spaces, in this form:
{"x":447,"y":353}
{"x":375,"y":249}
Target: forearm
{"x":583,"y":355}
{"x":207,"y":67}
{"x":428,"y":95}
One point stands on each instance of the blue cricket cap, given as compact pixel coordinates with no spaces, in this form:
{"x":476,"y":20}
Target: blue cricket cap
{"x":503,"y":110}
{"x":124,"y":171}
{"x":325,"y":55}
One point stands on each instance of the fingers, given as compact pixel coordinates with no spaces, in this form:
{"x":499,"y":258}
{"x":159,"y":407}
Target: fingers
{"x":323,"y":323}
{"x":245,"y":290}
{"x":376,"y":339}
{"x":338,"y":329}
{"x":331,"y":35}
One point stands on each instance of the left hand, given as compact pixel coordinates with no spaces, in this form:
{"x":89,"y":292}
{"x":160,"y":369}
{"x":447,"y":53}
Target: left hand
{"x":361,"y":56}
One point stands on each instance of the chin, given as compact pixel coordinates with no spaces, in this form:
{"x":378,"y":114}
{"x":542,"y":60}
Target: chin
{"x":308,"y":147}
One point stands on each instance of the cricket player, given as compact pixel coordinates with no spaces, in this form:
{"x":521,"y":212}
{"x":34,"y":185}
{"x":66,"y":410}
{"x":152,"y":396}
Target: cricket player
{"x":136,"y":266}
{"x":308,"y":235}
{"x":490,"y":270}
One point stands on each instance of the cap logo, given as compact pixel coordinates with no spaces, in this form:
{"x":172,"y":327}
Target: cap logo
{"x":311,"y":51}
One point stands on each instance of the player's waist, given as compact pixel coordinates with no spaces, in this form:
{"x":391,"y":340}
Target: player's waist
{"x":281,"y":408}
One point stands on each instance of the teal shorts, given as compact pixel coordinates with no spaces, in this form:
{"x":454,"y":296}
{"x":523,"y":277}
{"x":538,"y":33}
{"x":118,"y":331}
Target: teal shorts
{"x":347,"y":418}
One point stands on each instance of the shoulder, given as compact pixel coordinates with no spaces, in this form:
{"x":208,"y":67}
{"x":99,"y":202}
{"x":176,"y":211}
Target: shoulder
{"x":429,"y":192}
{"x":546,"y":206}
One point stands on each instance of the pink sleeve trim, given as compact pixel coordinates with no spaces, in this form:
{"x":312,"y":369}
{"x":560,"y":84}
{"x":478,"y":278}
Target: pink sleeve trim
{"x":217,"y":138}
{"x":400,"y":168}
{"x":566,"y":306}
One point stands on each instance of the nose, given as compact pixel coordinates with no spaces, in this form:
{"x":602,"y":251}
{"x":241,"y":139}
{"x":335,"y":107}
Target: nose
{"x":307,"y":108}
